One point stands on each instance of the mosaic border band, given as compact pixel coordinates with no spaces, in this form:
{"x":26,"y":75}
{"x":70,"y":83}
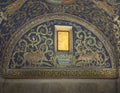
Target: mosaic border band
{"x":61,"y":73}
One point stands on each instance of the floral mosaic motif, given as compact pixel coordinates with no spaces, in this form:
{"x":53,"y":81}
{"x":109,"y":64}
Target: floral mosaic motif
{"x":89,"y":50}
{"x":36,"y":49}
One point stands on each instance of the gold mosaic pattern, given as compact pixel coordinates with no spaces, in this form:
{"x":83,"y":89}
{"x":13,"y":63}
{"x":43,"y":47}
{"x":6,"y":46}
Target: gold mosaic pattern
{"x":62,"y":73}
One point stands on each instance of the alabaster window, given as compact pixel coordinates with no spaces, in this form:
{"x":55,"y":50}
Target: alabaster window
{"x":63,"y":38}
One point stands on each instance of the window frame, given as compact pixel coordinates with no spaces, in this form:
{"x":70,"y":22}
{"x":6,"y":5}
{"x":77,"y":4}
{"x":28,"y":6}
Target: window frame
{"x":63,"y":28}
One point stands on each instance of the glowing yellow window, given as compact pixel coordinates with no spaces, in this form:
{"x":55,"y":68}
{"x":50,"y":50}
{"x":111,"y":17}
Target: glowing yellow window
{"x":63,"y":41}
{"x":63,"y":38}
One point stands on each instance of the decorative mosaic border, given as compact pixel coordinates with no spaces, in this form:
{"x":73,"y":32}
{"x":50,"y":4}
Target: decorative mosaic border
{"x":61,"y":73}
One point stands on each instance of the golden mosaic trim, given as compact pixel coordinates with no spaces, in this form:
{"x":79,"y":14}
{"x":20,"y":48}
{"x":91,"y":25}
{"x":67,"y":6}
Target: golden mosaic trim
{"x":61,"y":73}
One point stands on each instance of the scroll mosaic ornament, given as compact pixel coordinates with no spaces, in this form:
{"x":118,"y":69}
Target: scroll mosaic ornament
{"x":89,"y":51}
{"x":35,"y":49}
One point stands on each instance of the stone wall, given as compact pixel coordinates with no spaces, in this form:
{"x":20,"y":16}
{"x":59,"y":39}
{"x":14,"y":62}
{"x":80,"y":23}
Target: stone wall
{"x":59,"y":86}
